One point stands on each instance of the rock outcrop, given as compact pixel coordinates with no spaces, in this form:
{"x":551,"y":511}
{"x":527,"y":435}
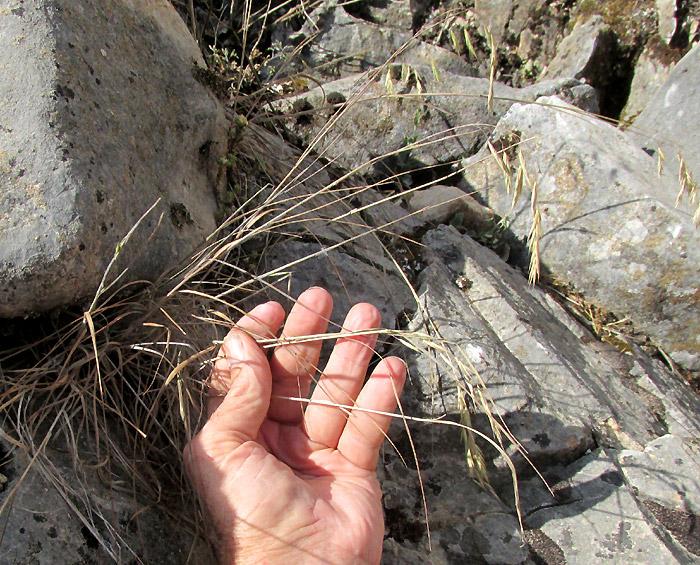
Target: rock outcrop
{"x":598,"y":194}
{"x":669,"y":123}
{"x":103,"y":113}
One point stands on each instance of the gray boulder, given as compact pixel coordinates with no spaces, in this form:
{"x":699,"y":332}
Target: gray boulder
{"x":604,"y":428}
{"x":670,"y":120}
{"x":506,"y":17}
{"x":418,"y":119}
{"x":347,"y":45}
{"x":609,"y":226}
{"x":650,"y":73}
{"x":103,"y":113}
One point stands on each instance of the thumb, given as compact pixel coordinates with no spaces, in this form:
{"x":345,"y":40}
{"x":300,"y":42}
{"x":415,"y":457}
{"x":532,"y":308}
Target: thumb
{"x":244,"y":375}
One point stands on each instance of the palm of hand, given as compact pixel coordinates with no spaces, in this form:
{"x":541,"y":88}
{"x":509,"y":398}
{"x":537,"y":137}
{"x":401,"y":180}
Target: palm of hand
{"x":280,"y":483}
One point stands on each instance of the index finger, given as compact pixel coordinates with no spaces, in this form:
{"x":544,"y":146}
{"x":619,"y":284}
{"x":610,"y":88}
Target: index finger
{"x":263,"y":321}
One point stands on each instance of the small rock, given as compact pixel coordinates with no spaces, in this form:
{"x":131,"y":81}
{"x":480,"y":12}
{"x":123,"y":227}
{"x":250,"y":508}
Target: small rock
{"x":439,"y":203}
{"x":586,"y":53}
{"x":666,"y":10}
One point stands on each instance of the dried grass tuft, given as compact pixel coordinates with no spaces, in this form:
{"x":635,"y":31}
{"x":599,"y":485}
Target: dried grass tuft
{"x":119,"y":387}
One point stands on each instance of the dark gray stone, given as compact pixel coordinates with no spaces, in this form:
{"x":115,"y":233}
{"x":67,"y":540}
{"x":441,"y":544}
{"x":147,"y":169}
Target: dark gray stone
{"x":392,"y":130}
{"x":56,"y":517}
{"x":346,"y":44}
{"x":439,"y":204}
{"x":102,"y":114}
{"x":350,"y":280}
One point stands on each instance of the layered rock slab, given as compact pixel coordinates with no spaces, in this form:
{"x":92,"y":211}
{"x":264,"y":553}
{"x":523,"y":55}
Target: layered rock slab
{"x":562,"y":395}
{"x":592,"y":518}
{"x":609,"y":225}
{"x":591,"y":418}
{"x":102,"y":114}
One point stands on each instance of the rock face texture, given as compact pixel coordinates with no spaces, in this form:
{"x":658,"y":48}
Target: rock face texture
{"x":102,"y":114}
{"x":600,"y":195}
{"x":41,"y":528}
{"x":587,"y":53}
{"x":667,"y":121}
{"x":590,"y":418}
{"x":650,"y":72}
{"x":406,"y":118}
{"x":348,"y":44}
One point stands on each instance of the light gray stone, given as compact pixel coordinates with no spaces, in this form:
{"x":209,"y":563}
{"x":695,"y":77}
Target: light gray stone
{"x":506,"y":16}
{"x":593,"y":517}
{"x":101,"y":114}
{"x":396,"y":14}
{"x":670,"y":120}
{"x":551,"y":358}
{"x":650,"y":73}
{"x":495,"y":15}
{"x":666,"y":10}
{"x":562,"y":395}
{"x":679,"y":403}
{"x":667,"y":472}
{"x":586,"y":53}
{"x":609,"y":225}
{"x":438,"y":204}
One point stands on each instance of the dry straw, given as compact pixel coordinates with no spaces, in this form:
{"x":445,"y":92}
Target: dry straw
{"x":120,"y":386}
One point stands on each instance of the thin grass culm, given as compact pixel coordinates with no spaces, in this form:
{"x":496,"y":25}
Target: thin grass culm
{"x":117,"y":390}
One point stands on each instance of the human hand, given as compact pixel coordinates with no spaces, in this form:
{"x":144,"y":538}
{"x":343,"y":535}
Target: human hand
{"x":282,"y":482}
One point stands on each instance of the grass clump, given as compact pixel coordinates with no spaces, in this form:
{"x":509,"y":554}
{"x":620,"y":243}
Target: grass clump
{"x":120,"y":386}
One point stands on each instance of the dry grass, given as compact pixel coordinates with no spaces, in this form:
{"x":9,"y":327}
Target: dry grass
{"x":120,"y":386}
